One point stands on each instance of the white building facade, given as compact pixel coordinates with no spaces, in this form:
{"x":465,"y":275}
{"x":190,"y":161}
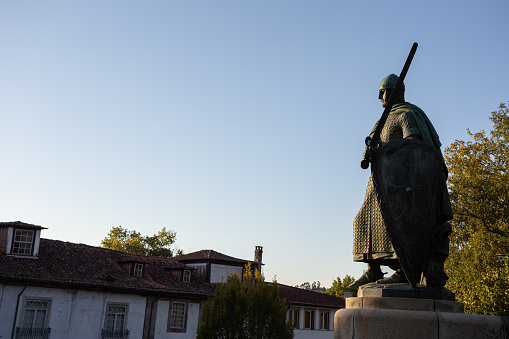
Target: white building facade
{"x":68,"y":291}
{"x":69,"y":313}
{"x":312,"y":323}
{"x":51,"y":289}
{"x":72,"y":313}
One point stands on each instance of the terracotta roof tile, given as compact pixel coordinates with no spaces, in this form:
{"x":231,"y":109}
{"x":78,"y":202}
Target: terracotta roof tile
{"x":66,"y":264}
{"x":300,"y":297}
{"x":209,"y":255}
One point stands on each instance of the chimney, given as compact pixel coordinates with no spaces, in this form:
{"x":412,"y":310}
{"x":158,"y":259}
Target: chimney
{"x":258,"y":256}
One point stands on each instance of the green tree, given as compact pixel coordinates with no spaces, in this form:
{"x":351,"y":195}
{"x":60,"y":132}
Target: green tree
{"x":478,"y":264}
{"x":315,"y":286}
{"x":246,"y":309}
{"x":340,"y":286}
{"x":124,"y":240}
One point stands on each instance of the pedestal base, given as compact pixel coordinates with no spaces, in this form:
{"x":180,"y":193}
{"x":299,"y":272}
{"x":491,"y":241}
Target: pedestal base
{"x":392,"y":317}
{"x":405,"y":291}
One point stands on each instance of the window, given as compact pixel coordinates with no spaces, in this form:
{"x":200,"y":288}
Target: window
{"x":138,"y":270}
{"x":309,"y":320}
{"x":34,"y":320}
{"x":23,"y":242}
{"x":294,"y":318}
{"x":176,"y":274}
{"x":177,"y":317}
{"x":324,"y":320}
{"x":116,"y":320}
{"x":187,"y":276}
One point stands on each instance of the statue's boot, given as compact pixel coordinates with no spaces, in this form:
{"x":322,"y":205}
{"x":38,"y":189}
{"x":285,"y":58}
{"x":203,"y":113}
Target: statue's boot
{"x":368,"y":277}
{"x":397,"y":278}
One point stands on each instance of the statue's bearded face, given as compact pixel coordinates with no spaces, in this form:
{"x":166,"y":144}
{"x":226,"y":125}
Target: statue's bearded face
{"x":384,"y":96}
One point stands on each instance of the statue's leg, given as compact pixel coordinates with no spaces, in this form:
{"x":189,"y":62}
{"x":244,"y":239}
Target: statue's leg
{"x":434,"y":274}
{"x":372,"y":274}
{"x":397,"y":278}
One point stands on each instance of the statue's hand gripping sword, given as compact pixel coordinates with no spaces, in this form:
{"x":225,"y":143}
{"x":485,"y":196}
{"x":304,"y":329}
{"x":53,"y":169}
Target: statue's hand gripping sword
{"x":374,"y":142}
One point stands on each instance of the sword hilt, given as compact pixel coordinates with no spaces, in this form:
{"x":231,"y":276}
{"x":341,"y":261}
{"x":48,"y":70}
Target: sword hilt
{"x":368,"y":141}
{"x":365,"y":164}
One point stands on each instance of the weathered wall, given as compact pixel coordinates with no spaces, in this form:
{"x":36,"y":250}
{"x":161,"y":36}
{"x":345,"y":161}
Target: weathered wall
{"x":163,"y":309}
{"x":73,"y":314}
{"x":219,"y":273}
{"x":201,"y":270}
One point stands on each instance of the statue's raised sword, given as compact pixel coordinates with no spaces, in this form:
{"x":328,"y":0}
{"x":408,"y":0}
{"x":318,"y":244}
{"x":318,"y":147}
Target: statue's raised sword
{"x":374,"y":142}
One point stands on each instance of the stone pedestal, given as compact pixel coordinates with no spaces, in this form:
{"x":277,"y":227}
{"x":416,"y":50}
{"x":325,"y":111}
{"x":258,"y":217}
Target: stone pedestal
{"x":380,"y":312}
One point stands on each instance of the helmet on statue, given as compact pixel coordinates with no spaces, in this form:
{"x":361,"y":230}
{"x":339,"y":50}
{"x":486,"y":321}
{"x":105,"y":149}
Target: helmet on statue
{"x":388,"y":83}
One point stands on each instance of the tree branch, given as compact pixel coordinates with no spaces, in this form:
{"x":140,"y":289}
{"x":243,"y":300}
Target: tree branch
{"x":499,"y":232}
{"x":486,"y":227}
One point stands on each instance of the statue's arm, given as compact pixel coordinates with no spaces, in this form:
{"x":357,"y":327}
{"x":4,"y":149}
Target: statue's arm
{"x":409,"y":125}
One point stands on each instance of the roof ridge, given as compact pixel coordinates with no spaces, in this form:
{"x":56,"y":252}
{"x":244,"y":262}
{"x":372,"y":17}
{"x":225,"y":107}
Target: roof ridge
{"x":105,"y":249}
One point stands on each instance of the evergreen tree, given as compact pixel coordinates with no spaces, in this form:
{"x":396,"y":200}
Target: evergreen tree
{"x":248,"y":309}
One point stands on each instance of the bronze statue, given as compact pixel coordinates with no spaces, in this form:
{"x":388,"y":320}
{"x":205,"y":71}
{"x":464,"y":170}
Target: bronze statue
{"x":403,"y":220}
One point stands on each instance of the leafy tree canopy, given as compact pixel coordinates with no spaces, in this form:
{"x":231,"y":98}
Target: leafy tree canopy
{"x":478,"y":264}
{"x":340,"y":286}
{"x":122,"y":239}
{"x":246,"y":309}
{"x":315,"y":286}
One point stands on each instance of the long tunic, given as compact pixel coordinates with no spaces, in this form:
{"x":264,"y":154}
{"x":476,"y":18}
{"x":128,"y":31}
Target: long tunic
{"x":370,"y":237}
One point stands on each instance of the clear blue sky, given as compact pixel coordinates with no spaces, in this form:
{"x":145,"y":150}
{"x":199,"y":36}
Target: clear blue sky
{"x":234,"y":123}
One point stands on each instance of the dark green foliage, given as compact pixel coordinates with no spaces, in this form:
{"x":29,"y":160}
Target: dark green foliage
{"x":245,"y":310}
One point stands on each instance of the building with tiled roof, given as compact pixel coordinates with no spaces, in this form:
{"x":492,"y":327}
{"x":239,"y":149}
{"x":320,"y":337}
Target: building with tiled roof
{"x":70,"y":265}
{"x":56,"y":289}
{"x":307,"y":298}
{"x":215,"y":267}
{"x":311,"y":313}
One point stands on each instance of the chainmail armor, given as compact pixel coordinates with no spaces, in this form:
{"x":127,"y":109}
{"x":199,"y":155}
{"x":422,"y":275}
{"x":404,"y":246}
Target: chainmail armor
{"x":370,"y":237}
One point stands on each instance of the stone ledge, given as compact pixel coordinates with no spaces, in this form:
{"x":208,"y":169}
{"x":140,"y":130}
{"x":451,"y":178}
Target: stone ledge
{"x":405,"y":304}
{"x":405,"y":291}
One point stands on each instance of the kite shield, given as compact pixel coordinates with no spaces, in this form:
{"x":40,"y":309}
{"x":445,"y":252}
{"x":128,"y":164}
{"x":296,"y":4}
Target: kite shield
{"x":408,"y":178}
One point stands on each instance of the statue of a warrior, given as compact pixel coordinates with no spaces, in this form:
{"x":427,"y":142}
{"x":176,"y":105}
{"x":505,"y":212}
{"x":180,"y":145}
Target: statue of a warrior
{"x":403,"y":220}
